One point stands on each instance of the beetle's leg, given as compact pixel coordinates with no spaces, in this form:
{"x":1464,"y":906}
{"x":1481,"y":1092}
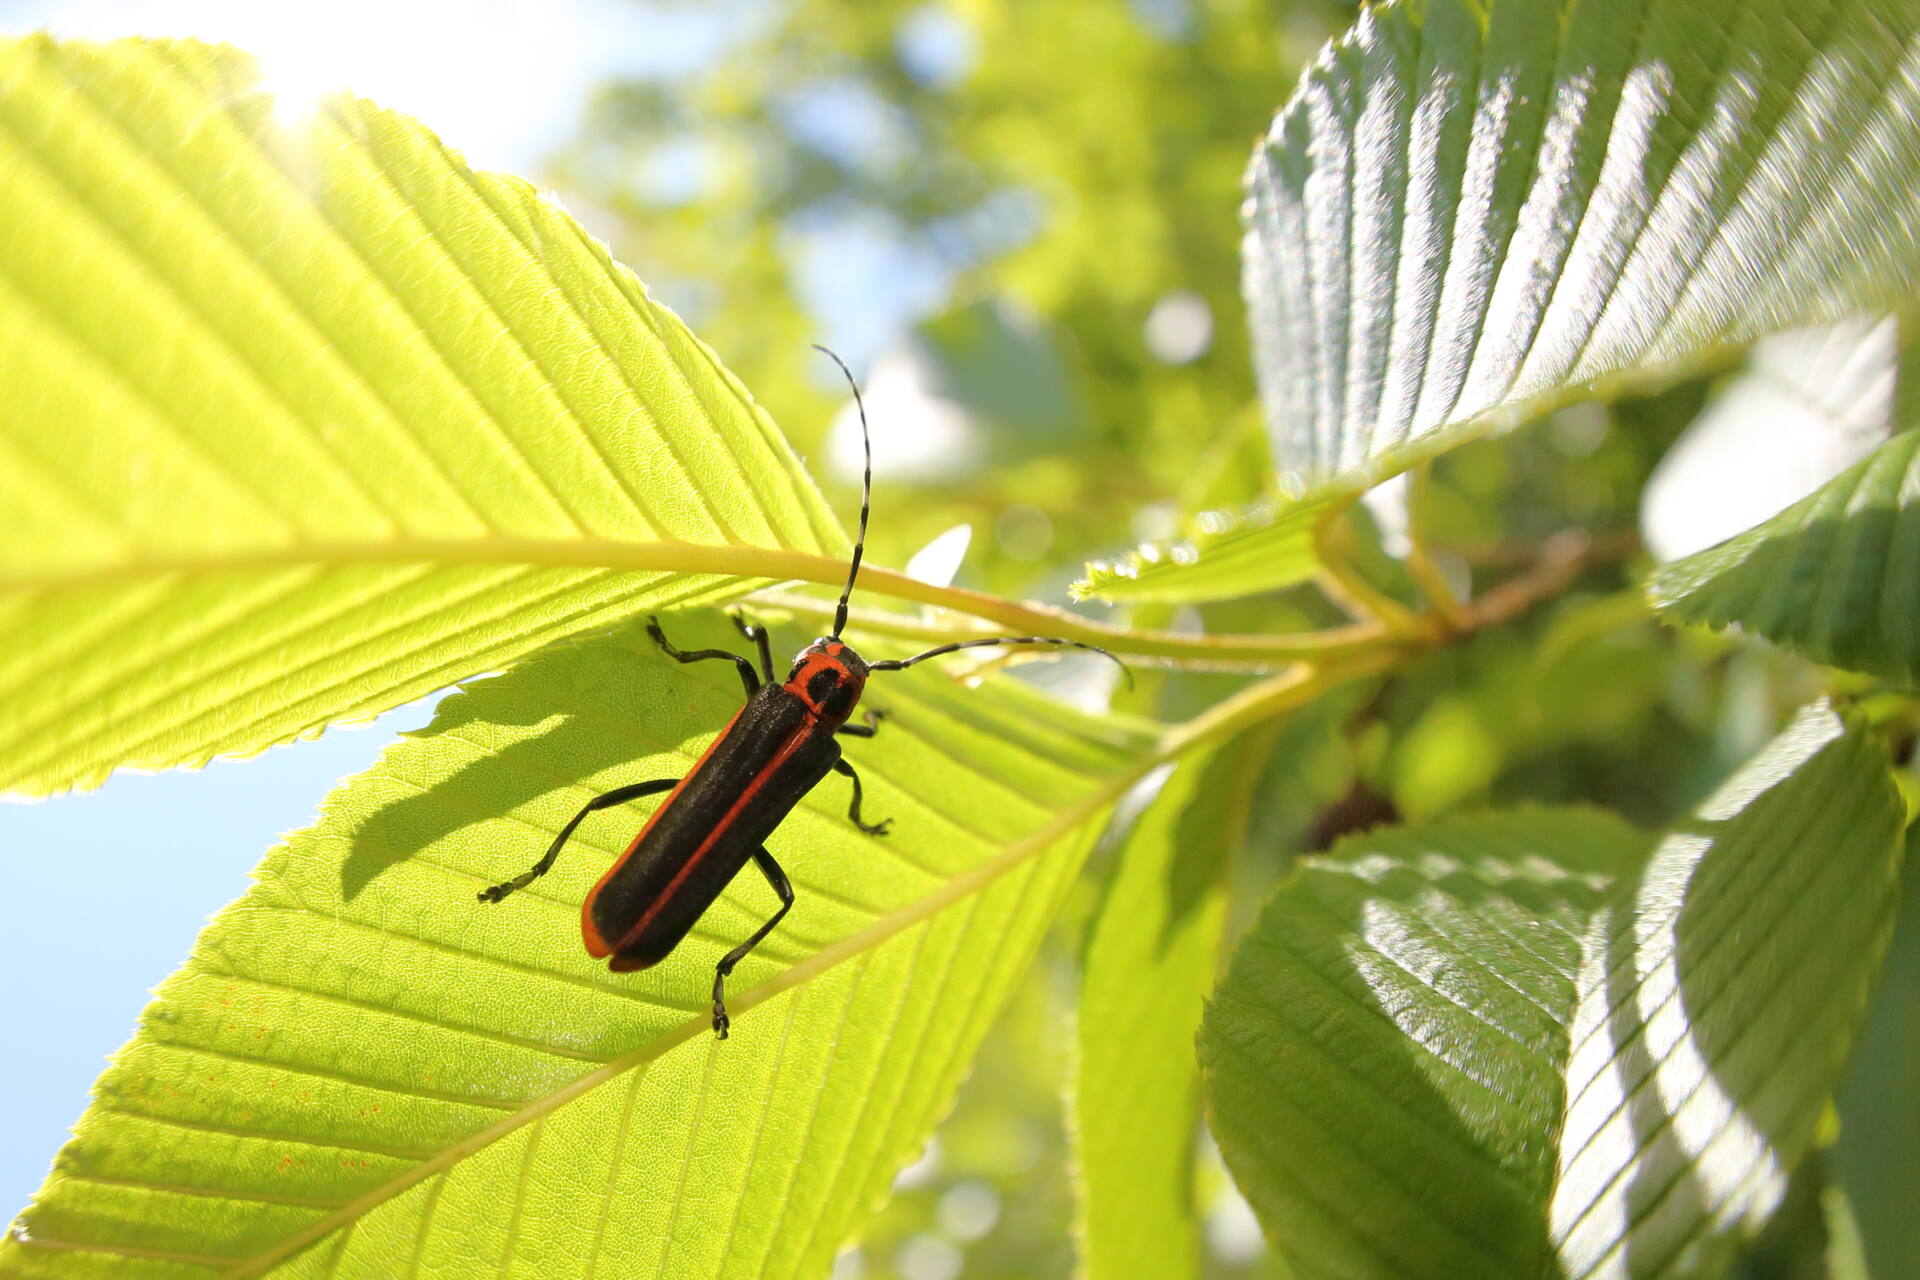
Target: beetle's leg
{"x":748,"y":676}
{"x":853,"y":810}
{"x":619,"y":795}
{"x":873,"y":719}
{"x":758,"y":634}
{"x":778,"y":879}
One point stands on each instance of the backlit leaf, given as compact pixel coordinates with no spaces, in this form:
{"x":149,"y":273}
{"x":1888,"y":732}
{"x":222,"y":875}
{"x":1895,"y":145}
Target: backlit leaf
{"x":364,"y":1071}
{"x":304,"y":419}
{"x":1226,"y":556}
{"x":1473,"y":209}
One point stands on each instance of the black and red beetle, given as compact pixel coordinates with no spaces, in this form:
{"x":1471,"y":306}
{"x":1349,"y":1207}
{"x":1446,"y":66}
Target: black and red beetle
{"x":718,"y":817}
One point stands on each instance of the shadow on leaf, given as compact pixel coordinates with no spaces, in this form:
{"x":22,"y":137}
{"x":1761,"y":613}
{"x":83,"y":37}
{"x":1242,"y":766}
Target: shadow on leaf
{"x":578,"y":718}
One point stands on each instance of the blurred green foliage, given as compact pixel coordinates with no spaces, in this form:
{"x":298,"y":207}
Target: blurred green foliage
{"x":958,"y":178}
{"x":946,"y":185}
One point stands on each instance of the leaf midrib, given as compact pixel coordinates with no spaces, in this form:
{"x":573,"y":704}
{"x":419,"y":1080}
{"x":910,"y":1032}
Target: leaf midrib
{"x":752,"y":563}
{"x":491,"y":551}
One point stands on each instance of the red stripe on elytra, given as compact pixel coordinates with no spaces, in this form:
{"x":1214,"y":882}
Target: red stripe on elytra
{"x":694,"y":859}
{"x":727,"y":819}
{"x":597,"y":946}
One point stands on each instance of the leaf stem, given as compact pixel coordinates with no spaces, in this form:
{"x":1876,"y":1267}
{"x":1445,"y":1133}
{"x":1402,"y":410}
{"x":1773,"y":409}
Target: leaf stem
{"x":1235,"y":652}
{"x":1393,"y":627}
{"x":1217,"y":652}
{"x":1562,"y":558}
{"x":1420,"y":564}
{"x":754,"y":564}
{"x":1349,"y":588}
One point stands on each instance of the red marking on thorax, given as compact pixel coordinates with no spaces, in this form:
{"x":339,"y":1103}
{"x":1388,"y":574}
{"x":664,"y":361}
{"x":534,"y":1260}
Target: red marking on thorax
{"x":829,"y":659}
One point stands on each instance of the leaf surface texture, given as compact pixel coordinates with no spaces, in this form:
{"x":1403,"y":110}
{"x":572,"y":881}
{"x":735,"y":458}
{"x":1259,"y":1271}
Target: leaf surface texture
{"x":1835,"y":577}
{"x":1471,"y":211}
{"x":304,"y":420}
{"x":1506,"y":1047}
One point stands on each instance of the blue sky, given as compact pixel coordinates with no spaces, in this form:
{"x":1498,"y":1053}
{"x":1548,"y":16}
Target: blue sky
{"x":499,"y":80}
{"x":106,"y":890}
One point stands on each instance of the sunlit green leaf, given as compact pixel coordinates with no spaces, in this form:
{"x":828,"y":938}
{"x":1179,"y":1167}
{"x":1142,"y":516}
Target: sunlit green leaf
{"x":1835,"y":577}
{"x":1502,"y":1047}
{"x":1227,"y":556}
{"x":304,"y":418}
{"x":362,"y":1064}
{"x":1153,"y":954}
{"x":1471,"y":210}
{"x":1877,"y":1157}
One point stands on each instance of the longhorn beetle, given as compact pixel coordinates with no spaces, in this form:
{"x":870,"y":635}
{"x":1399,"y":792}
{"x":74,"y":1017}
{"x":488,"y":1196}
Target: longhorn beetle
{"x":718,"y":817}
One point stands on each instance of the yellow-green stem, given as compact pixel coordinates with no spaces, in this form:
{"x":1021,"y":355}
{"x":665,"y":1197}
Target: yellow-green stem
{"x":1420,"y":565}
{"x":1349,"y":588}
{"x":758,"y":564}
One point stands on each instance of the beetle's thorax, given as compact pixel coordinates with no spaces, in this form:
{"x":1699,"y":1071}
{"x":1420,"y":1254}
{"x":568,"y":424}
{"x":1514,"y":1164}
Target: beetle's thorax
{"x":828,"y":676}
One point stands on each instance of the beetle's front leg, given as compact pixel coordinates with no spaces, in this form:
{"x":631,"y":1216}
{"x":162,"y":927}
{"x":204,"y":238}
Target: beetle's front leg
{"x":853,"y":810}
{"x":756,"y":633}
{"x":872,"y":718}
{"x":748,"y":676}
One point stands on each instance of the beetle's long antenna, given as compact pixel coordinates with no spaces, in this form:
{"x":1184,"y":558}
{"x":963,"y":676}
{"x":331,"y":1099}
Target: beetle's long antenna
{"x":898,"y":664}
{"x":866,"y":494}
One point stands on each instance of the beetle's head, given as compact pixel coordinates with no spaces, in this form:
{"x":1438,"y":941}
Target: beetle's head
{"x":828,"y":676}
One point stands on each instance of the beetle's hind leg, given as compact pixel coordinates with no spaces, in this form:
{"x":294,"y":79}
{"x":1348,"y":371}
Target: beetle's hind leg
{"x":758,"y":634}
{"x":748,"y":676}
{"x":619,"y":795}
{"x":879,"y":828}
{"x":778,"y":879}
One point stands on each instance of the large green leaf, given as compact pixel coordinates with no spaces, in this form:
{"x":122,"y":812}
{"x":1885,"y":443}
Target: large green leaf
{"x":1876,"y":1160}
{"x":1500,"y":1047}
{"x":1835,"y":577}
{"x":1471,"y":209}
{"x":1153,"y":953}
{"x":364,"y":1071}
{"x":300,"y":420}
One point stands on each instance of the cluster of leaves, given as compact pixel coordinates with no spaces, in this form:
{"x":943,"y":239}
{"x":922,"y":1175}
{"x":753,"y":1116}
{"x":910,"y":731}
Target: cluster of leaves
{"x":306,"y":418}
